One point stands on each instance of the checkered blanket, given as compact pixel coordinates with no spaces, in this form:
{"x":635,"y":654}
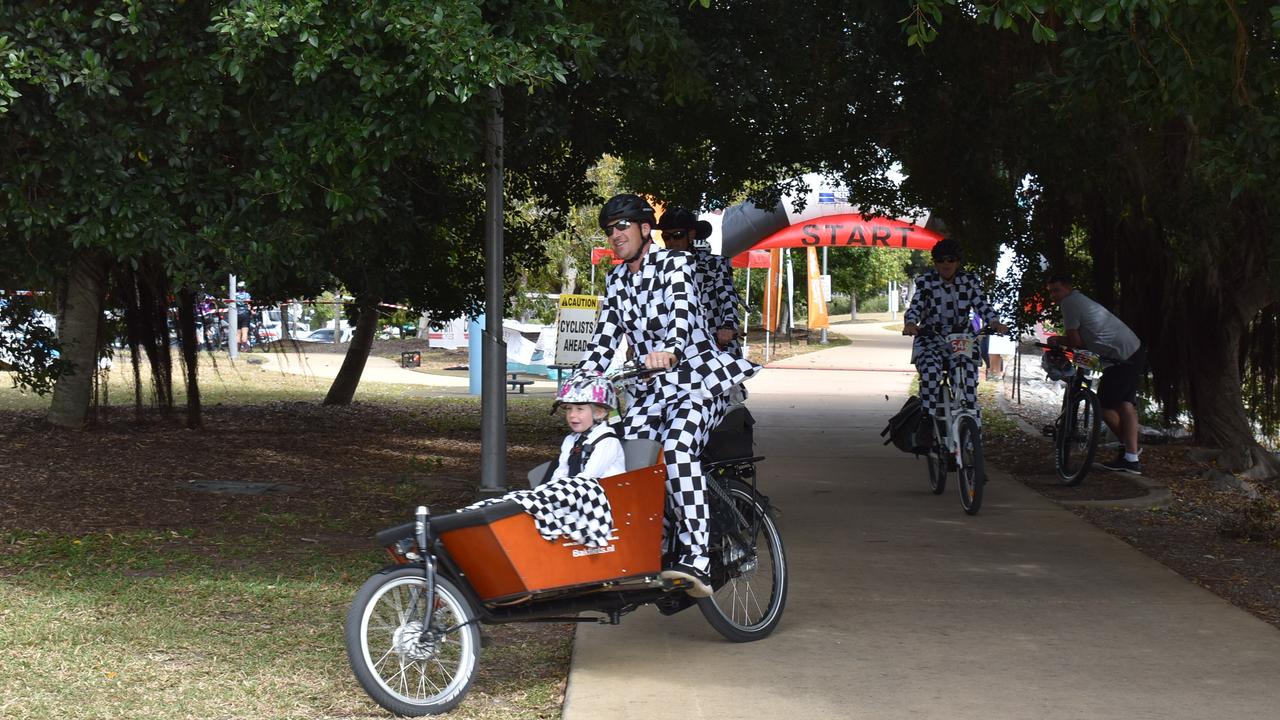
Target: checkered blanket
{"x":573,"y":507}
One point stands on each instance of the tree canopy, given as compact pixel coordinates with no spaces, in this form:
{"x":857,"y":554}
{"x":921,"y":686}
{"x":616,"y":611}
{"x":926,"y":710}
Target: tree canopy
{"x":307,"y":144}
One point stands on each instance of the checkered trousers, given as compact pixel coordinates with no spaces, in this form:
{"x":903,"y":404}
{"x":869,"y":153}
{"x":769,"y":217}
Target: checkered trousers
{"x":573,"y":507}
{"x":933,"y":366}
{"x":683,"y":427}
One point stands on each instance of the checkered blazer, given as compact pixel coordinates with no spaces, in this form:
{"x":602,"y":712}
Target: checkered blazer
{"x":718,"y":297}
{"x":655,"y":310}
{"x":943,"y":308}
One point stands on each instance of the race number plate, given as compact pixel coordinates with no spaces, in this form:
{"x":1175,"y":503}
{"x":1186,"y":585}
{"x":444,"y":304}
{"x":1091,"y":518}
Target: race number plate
{"x":961,"y":344}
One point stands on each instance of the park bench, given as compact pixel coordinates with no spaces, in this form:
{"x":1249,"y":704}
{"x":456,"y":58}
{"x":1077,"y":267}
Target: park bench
{"x":515,"y":383}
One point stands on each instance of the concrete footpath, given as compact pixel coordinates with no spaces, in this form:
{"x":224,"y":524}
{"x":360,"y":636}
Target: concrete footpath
{"x":901,"y":606}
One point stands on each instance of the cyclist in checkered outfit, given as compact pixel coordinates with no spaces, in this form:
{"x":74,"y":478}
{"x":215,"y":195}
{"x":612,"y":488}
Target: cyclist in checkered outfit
{"x":943,"y":301}
{"x":718,"y":298}
{"x":650,"y":301}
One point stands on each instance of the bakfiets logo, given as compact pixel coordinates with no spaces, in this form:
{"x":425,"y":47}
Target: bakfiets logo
{"x":836,"y":235}
{"x":595,"y":551}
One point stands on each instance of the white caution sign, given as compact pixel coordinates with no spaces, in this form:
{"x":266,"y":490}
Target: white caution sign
{"x":575,"y":326}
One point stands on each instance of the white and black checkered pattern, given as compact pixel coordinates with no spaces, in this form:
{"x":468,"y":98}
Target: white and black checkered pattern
{"x":683,"y":428}
{"x":718,"y":298}
{"x":573,"y":507}
{"x":654,"y":309}
{"x":940,"y":308}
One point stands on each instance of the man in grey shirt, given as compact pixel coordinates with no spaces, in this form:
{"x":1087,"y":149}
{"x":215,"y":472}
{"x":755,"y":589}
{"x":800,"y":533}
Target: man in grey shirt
{"x":1090,"y":326}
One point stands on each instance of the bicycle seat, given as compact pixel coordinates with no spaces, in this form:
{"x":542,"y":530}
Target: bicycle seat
{"x":535,"y":475}
{"x":640,"y":453}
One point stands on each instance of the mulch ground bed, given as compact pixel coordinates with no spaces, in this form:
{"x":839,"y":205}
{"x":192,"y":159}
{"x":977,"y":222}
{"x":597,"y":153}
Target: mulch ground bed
{"x":1214,"y":535}
{"x":353,"y":467}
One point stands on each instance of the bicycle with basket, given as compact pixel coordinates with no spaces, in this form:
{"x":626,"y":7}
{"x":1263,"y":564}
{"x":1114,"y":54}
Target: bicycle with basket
{"x":412,"y":632}
{"x":1078,"y":427}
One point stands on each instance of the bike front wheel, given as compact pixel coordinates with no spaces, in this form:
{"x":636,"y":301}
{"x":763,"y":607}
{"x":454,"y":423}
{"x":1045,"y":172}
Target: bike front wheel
{"x":748,"y":568}
{"x":972,"y":475}
{"x":937,"y":459}
{"x":404,"y":669}
{"x":1076,"y":438}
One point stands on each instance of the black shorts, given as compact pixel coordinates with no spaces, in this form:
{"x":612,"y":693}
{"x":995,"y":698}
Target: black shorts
{"x":1120,"y":382}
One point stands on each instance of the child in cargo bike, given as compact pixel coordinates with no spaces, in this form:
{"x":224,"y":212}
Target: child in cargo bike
{"x":569,"y":501}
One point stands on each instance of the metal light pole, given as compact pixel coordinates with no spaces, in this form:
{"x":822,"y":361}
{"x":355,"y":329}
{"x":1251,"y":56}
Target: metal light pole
{"x":233,"y":320}
{"x":823,"y":340}
{"x":493,"y":395}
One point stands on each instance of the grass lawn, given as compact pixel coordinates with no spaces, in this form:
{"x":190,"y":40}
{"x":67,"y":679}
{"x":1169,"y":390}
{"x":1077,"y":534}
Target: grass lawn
{"x":129,"y":591}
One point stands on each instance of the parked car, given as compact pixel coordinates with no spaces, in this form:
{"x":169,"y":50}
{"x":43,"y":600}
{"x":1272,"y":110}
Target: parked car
{"x":325,"y":335}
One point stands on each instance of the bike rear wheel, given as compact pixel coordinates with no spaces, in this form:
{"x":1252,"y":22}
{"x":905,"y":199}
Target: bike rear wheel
{"x":401,"y":669}
{"x":748,"y":568}
{"x":972,"y":475}
{"x":1076,"y":438}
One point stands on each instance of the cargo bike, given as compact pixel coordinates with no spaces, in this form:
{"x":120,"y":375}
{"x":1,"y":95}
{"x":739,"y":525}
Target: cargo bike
{"x":412,"y":632}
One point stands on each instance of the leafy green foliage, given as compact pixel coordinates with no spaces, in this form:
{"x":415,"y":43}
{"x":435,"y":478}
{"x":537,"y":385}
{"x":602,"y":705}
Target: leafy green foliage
{"x":28,"y":347}
{"x":1153,"y":127}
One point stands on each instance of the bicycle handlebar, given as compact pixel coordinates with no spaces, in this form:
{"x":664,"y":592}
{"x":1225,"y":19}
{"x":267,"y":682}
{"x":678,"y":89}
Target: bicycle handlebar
{"x":925,"y":332}
{"x":631,"y":370}
{"x":1070,"y":349}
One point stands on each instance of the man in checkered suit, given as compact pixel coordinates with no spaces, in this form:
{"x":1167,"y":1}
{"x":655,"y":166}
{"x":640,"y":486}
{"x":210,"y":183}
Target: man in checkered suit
{"x":650,"y":300}
{"x":943,"y":301}
{"x":718,"y":298}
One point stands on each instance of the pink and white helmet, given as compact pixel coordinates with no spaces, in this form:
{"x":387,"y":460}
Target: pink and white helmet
{"x":587,"y":386}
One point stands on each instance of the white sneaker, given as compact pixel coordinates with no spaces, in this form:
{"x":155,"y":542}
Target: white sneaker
{"x":698,"y":582}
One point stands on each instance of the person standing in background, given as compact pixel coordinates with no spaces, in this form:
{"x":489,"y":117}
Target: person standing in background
{"x":244,"y":313}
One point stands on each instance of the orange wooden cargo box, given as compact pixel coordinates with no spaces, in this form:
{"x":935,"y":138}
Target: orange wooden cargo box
{"x":503,"y":556}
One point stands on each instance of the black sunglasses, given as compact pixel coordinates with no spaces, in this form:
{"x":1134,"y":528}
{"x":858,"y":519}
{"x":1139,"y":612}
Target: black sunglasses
{"x":675,"y":234}
{"x":620,"y":226}
{"x":946,"y":259}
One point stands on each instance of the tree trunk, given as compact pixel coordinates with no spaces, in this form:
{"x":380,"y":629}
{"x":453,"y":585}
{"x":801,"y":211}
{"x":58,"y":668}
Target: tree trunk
{"x":190,"y":354}
{"x":78,"y":336}
{"x":569,"y":275}
{"x":1218,"y":305}
{"x":1218,"y":406}
{"x":154,"y":307}
{"x":286,"y":333}
{"x":348,"y":379}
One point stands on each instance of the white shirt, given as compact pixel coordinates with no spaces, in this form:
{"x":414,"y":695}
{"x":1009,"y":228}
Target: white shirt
{"x":606,"y":454}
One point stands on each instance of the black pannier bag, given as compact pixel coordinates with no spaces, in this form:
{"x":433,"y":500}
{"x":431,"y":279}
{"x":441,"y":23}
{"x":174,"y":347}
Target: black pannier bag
{"x":903,"y":428}
{"x":733,"y":438}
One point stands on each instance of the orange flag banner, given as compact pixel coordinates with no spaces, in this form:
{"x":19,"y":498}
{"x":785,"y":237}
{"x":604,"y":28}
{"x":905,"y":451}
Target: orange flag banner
{"x":773,"y":291}
{"x":817,"y":298}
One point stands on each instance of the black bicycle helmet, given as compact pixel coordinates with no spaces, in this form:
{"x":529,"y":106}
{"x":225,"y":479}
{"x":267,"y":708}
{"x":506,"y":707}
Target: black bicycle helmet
{"x":946,"y":247}
{"x":627,"y":206}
